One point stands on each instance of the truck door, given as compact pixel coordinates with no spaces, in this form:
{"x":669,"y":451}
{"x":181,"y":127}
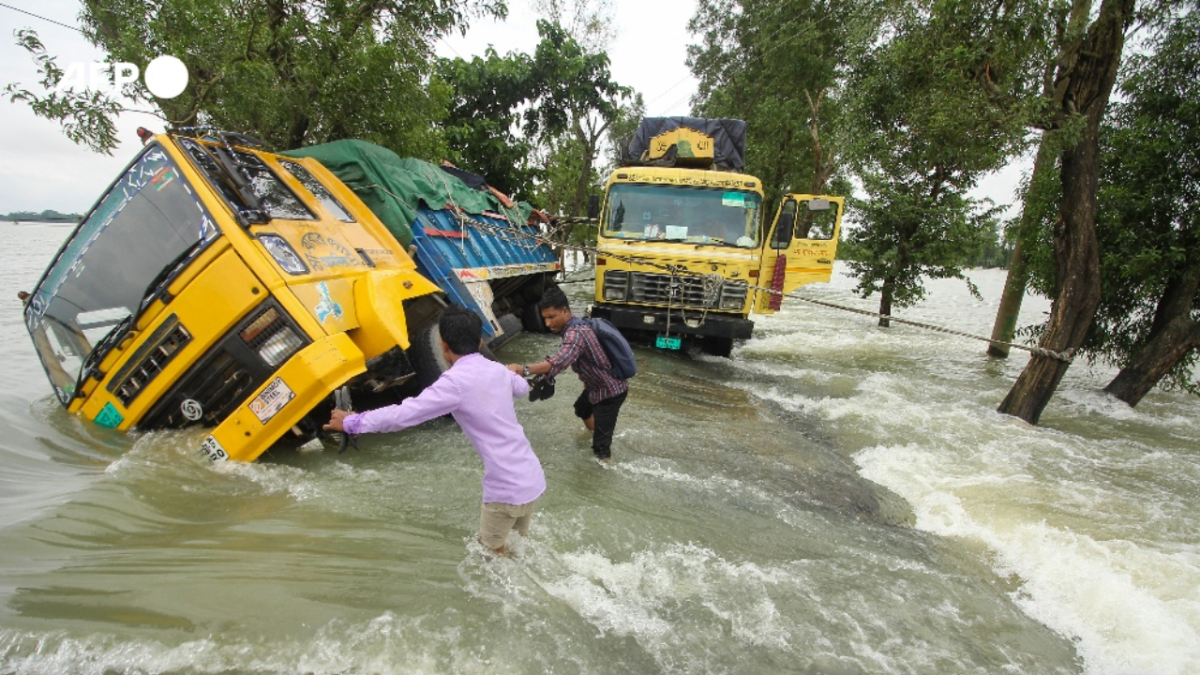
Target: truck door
{"x":801,"y":247}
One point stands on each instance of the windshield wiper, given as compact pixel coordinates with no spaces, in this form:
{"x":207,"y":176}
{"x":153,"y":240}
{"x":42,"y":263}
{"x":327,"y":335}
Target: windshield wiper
{"x":117,"y":333}
{"x":165,"y":274}
{"x":111,"y":339}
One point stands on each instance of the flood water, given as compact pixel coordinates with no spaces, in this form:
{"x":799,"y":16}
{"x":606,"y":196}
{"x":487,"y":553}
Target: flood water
{"x":835,"y":499}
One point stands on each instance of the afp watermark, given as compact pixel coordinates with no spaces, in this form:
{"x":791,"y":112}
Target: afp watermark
{"x":166,"y":77}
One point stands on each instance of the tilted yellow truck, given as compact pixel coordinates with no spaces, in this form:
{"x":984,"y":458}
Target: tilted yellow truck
{"x":218,"y":285}
{"x":685,"y":255}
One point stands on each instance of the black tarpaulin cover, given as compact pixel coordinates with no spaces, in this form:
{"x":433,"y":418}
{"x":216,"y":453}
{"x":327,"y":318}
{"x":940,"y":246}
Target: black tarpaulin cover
{"x":727,"y":150}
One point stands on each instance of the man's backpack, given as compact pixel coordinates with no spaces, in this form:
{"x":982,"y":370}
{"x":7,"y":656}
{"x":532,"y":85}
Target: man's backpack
{"x":615,"y":347}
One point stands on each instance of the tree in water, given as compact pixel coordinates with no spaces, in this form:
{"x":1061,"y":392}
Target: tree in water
{"x":1087,"y":71}
{"x":1148,"y":227}
{"x":938,"y":105}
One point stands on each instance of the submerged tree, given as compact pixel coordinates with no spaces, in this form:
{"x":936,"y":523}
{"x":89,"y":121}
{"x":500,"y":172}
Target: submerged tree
{"x":1087,"y":70}
{"x":1148,"y":224}
{"x":939,"y":104}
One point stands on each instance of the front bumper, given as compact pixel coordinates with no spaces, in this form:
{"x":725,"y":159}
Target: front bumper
{"x":690,"y":322}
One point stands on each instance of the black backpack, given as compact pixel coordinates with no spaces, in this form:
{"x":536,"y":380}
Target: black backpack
{"x":615,"y":347}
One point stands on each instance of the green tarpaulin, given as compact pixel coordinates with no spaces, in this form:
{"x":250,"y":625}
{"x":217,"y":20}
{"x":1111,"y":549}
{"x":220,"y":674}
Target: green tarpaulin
{"x":394,"y":187}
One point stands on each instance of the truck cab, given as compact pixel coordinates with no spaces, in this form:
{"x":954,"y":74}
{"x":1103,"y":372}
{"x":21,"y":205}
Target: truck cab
{"x":685,"y":252}
{"x":218,"y":285}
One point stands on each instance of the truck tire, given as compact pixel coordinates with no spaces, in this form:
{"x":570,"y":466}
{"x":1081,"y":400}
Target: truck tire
{"x":510,"y":327}
{"x":427,"y":357}
{"x":429,"y":360}
{"x":531,"y":319}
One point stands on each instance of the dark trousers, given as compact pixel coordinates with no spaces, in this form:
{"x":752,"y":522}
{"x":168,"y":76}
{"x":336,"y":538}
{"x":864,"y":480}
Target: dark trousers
{"x":605,"y":412}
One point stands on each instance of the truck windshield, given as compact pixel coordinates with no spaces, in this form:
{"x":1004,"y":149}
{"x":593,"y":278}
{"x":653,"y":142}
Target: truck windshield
{"x":138,"y":236}
{"x":689,"y":214}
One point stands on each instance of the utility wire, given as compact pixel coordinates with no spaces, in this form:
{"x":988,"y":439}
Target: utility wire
{"x":36,"y":16}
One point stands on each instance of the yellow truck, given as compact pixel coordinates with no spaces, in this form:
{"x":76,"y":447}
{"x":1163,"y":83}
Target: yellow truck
{"x":684,"y":253}
{"x":222,"y":286}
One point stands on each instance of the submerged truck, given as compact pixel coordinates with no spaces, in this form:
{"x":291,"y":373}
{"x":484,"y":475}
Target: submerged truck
{"x":685,"y":254}
{"x":219,"y":285}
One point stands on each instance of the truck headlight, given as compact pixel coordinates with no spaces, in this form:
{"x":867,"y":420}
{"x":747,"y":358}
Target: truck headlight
{"x":281,"y":345}
{"x":272,"y":338}
{"x":284,"y":255}
{"x":616,"y":285}
{"x":733,"y":295}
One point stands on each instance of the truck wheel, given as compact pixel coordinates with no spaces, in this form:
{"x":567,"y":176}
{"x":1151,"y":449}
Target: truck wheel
{"x":511,"y":327}
{"x":531,"y":319}
{"x":429,"y":360}
{"x":427,"y":357}
{"x":719,"y":346}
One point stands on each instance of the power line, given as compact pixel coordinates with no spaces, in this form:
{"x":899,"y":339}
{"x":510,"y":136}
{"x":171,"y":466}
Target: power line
{"x":36,"y":16}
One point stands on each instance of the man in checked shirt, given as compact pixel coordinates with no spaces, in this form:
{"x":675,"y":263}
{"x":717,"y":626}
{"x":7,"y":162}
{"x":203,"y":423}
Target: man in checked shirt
{"x":603,"y":394}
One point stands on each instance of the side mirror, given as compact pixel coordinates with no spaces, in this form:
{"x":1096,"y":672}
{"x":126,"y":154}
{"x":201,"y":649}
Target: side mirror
{"x":593,"y":206}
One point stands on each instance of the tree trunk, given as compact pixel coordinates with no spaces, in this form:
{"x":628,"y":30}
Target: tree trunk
{"x":1083,"y":86}
{"x":885,"y":302}
{"x":1155,"y":359}
{"x":1172,"y":337}
{"x":1005,"y":328}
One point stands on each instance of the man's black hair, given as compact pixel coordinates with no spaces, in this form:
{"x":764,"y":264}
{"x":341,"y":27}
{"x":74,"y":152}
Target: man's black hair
{"x":461,"y":330}
{"x":554,"y":297}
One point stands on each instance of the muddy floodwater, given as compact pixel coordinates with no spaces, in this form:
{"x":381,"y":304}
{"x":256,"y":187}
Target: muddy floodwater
{"x":835,"y":498}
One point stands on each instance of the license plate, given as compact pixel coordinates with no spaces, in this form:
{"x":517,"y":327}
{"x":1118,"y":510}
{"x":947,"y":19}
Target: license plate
{"x":213,"y":450}
{"x":271,"y":400}
{"x":668,"y":342}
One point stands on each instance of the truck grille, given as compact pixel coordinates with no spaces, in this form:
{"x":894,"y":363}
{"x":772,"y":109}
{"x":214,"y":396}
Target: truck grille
{"x":237,"y":365}
{"x":149,"y":360}
{"x":687,"y":291}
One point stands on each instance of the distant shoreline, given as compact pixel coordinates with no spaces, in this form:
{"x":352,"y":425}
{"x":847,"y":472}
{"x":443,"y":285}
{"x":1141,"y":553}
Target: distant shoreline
{"x":32,"y":221}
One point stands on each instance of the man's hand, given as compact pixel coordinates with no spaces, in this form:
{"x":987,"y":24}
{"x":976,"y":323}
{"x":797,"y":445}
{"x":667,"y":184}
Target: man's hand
{"x":517,"y":368}
{"x":335,"y":420}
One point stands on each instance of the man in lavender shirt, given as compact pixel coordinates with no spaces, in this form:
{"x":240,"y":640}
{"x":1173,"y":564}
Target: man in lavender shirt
{"x":479,"y":394}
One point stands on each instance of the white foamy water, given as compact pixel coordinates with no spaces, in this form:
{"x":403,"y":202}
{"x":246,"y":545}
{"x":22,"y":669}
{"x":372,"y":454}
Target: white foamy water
{"x":835,"y":499}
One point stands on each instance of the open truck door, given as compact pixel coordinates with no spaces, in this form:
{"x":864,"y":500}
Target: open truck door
{"x":801,"y":246}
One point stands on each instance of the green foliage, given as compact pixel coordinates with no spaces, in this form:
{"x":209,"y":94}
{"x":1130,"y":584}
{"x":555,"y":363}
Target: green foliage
{"x":1148,"y":223}
{"x":86,"y":117}
{"x":509,"y":111}
{"x":291,"y":72}
{"x":776,"y":65}
{"x":945,"y":100}
{"x":481,"y":128}
{"x":47,"y":216}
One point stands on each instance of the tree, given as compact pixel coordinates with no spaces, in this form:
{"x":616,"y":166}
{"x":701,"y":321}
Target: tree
{"x":289,"y":71}
{"x":775,"y":64}
{"x":1087,"y":70}
{"x":1149,"y":319}
{"x":937,"y":105}
{"x":86,"y":116}
{"x":483,"y":125}
{"x":1148,"y":224}
{"x":574,"y":95}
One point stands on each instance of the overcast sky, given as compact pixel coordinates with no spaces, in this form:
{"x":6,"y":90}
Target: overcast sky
{"x":40,"y":169}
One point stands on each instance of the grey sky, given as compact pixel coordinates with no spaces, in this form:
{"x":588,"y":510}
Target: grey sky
{"x":40,"y":169}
